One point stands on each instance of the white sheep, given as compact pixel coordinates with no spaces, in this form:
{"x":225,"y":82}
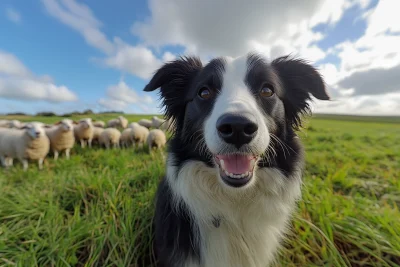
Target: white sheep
{"x":139,"y":134}
{"x":83,"y":131}
{"x":126,"y":138}
{"x":146,"y":123}
{"x":96,"y":134}
{"x":120,"y":122}
{"x":133,"y":124}
{"x":100,"y":124}
{"x":156,"y":139}
{"x":15,"y":124}
{"x":123,"y":121}
{"x":156,"y":122}
{"x":61,"y":137}
{"x":110,"y":136}
{"x":28,"y":143}
{"x":114,"y":123}
{"x":4,"y":123}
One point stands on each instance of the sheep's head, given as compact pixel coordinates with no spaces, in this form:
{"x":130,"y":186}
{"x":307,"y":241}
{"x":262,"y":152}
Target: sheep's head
{"x":66,"y":125}
{"x":87,"y":122}
{"x":34,"y":129}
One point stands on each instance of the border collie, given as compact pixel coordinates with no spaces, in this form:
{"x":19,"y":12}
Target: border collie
{"x":234,"y":162}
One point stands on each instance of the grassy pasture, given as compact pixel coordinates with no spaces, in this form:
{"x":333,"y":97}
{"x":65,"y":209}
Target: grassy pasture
{"x":95,"y":209}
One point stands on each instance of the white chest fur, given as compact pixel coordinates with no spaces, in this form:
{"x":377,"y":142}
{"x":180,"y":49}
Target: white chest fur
{"x":252,"y":220}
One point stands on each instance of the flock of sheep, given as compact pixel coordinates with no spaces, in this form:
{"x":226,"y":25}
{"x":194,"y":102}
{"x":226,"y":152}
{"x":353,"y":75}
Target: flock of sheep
{"x":34,"y":140}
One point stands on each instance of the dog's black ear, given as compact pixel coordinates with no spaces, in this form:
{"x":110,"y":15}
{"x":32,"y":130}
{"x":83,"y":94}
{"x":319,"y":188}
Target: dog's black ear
{"x":299,"y":81}
{"x":173,"y":78}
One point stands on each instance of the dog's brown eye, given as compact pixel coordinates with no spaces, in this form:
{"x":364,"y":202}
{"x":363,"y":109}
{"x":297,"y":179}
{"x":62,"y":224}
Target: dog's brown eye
{"x":266,"y":91}
{"x":205,"y":93}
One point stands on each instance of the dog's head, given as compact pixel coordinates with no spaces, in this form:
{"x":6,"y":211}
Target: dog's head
{"x":233,"y":114}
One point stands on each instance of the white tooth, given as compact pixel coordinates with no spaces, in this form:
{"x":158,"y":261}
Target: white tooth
{"x":227,"y":173}
{"x":221,"y":161}
{"x":231,"y":174}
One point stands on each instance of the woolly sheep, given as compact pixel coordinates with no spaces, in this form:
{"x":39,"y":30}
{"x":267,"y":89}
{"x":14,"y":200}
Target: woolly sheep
{"x":156,"y":139}
{"x":96,"y":135}
{"x":15,"y":124}
{"x":139,"y":134}
{"x":110,"y":136}
{"x":126,"y":138}
{"x":146,"y":123}
{"x":114,"y":123}
{"x":156,"y":122}
{"x":123,"y":121}
{"x":4,"y":123}
{"x":133,"y":124}
{"x":61,"y":137}
{"x":84,"y":132}
{"x":100,"y":124}
{"x":120,"y":122}
{"x":28,"y":143}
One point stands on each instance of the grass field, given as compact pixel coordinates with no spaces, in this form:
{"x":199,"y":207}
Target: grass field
{"x":95,"y":209}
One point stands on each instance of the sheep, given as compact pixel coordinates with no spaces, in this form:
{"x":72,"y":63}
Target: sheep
{"x":156,"y":122}
{"x":4,"y":123}
{"x":28,"y":143}
{"x":156,"y":139}
{"x":139,"y":134}
{"x":165,"y":125}
{"x":123,"y":121}
{"x":15,"y":124}
{"x":96,"y":134}
{"x":110,"y":136}
{"x":61,"y":137}
{"x":83,"y":131}
{"x":133,"y":124}
{"x":126,"y":138}
{"x":120,"y":122}
{"x":114,"y":123}
{"x":100,"y":124}
{"x":146,"y":123}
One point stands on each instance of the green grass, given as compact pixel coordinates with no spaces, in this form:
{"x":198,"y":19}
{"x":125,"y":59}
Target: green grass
{"x":95,"y":209}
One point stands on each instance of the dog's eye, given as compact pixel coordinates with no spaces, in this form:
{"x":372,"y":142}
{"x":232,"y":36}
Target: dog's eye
{"x":205,"y":93}
{"x":267,"y":91}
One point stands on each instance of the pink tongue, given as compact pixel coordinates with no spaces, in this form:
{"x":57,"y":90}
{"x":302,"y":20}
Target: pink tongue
{"x":236,"y":164}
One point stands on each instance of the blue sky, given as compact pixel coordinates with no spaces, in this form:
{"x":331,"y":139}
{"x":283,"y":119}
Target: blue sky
{"x":65,"y":55}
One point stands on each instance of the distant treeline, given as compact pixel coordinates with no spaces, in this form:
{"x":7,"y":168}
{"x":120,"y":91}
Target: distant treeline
{"x":74,"y":113}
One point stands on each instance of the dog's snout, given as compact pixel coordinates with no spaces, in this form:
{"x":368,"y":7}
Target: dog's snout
{"x":37,"y":133}
{"x":235,"y":129}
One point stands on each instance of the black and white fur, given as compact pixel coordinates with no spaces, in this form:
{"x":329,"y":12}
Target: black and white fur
{"x":200,"y":219}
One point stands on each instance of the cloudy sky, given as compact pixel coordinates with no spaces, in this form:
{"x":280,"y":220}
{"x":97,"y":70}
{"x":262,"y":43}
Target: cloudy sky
{"x":64,"y":55}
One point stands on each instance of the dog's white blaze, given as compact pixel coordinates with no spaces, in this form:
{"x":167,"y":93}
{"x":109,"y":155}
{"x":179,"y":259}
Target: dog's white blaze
{"x":236,"y":98}
{"x":252,"y":221}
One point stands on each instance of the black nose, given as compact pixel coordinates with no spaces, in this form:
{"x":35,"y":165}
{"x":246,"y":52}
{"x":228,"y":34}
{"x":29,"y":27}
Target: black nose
{"x":235,"y":129}
{"x":37,"y":133}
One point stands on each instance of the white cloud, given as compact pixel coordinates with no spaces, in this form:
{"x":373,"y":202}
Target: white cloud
{"x":13,"y":15}
{"x":137,"y":60}
{"x":17,"y":82}
{"x":10,"y":65}
{"x":366,"y":80}
{"x":121,"y":97}
{"x":272,"y":27}
{"x":80,"y":18}
{"x":386,"y":104}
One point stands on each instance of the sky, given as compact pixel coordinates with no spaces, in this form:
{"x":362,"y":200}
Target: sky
{"x":70,"y":55}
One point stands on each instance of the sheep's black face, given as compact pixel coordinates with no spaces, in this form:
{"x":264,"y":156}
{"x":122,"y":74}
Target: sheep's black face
{"x":235,"y":114}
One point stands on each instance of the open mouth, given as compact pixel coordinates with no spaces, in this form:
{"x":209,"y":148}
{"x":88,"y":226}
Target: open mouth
{"x":236,"y":170}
